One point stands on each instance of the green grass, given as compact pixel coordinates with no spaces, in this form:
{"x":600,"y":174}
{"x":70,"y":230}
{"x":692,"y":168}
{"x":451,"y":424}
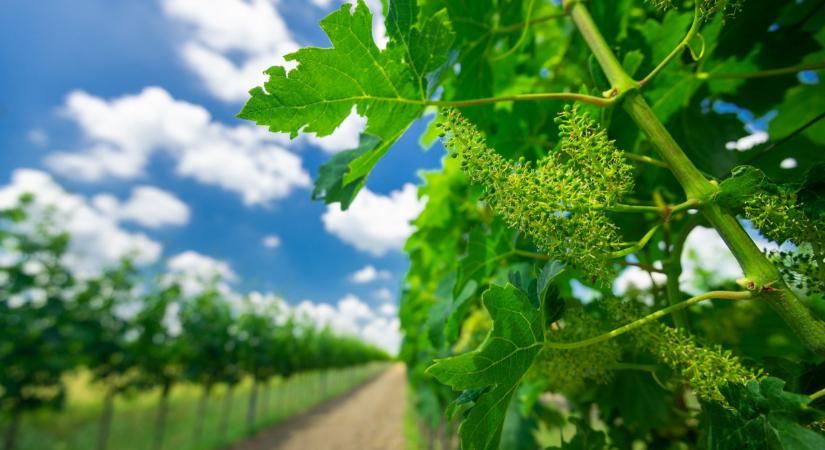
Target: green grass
{"x":76,"y":426}
{"x":412,"y":435}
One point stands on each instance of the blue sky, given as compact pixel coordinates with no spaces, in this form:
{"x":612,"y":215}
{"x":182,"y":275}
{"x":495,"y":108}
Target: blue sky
{"x":75,"y":77}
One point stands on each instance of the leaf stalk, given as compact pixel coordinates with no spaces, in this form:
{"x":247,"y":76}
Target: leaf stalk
{"x":761,"y":73}
{"x":685,"y":43}
{"x":720,"y":295}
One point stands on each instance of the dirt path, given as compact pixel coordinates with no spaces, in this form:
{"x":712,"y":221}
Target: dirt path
{"x":367,"y":418}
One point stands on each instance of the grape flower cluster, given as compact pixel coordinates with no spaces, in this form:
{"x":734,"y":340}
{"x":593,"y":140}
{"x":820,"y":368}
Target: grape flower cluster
{"x":558,"y":201}
{"x":781,"y":217}
{"x":705,"y":368}
{"x":570,"y":370}
{"x":707,"y":8}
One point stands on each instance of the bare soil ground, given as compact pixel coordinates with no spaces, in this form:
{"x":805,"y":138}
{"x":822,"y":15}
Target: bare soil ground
{"x":369,"y":417}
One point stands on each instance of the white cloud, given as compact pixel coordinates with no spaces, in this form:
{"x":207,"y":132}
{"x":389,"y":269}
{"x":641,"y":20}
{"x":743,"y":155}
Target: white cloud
{"x":147,"y":206}
{"x":231,"y":42}
{"x":195,"y":272}
{"x":383,"y":294}
{"x":344,"y":137}
{"x":368,"y":274}
{"x":125,"y":132}
{"x":271,"y":241}
{"x":384,"y":333}
{"x":374,"y":223}
{"x":388,"y":309}
{"x":97,"y":240}
{"x":353,"y":317}
{"x":352,"y":308}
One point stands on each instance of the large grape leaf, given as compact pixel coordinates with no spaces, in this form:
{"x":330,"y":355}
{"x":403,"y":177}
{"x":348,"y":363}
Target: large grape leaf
{"x":762,"y":415}
{"x":389,"y":87}
{"x":498,"y":365}
{"x":803,"y":104}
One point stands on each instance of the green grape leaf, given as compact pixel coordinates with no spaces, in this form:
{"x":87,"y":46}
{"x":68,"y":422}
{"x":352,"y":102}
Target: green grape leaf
{"x":802,"y":105}
{"x":444,"y":320}
{"x":318,"y":94}
{"x":632,"y":61}
{"x":329,"y":186}
{"x":388,"y":87}
{"x":499,"y":363}
{"x":479,"y":260}
{"x":761,"y":415}
{"x":639,"y":400}
{"x":812,"y":193}
{"x":672,"y":88}
{"x":743,"y":183}
{"x":517,"y":431}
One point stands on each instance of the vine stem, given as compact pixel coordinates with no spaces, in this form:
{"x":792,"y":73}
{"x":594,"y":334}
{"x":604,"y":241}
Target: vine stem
{"x":761,"y":73}
{"x":818,"y":394}
{"x":692,"y":32}
{"x":723,"y":295}
{"x":563,"y":96}
{"x":761,"y":274}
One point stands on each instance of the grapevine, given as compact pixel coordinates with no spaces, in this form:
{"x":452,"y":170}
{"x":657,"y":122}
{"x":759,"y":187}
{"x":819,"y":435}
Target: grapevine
{"x":582,"y":155}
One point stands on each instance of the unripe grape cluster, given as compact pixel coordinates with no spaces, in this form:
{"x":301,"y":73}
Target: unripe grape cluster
{"x":780,"y":217}
{"x":705,"y":368}
{"x":574,"y":369}
{"x":707,"y":8}
{"x":558,"y":201}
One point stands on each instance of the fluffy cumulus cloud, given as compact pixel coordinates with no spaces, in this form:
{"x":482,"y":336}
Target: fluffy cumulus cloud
{"x":374,"y":223}
{"x":368,"y":274}
{"x":97,"y":239}
{"x":147,"y":206}
{"x":354,"y":317}
{"x":230,"y":43}
{"x":124,"y":133}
